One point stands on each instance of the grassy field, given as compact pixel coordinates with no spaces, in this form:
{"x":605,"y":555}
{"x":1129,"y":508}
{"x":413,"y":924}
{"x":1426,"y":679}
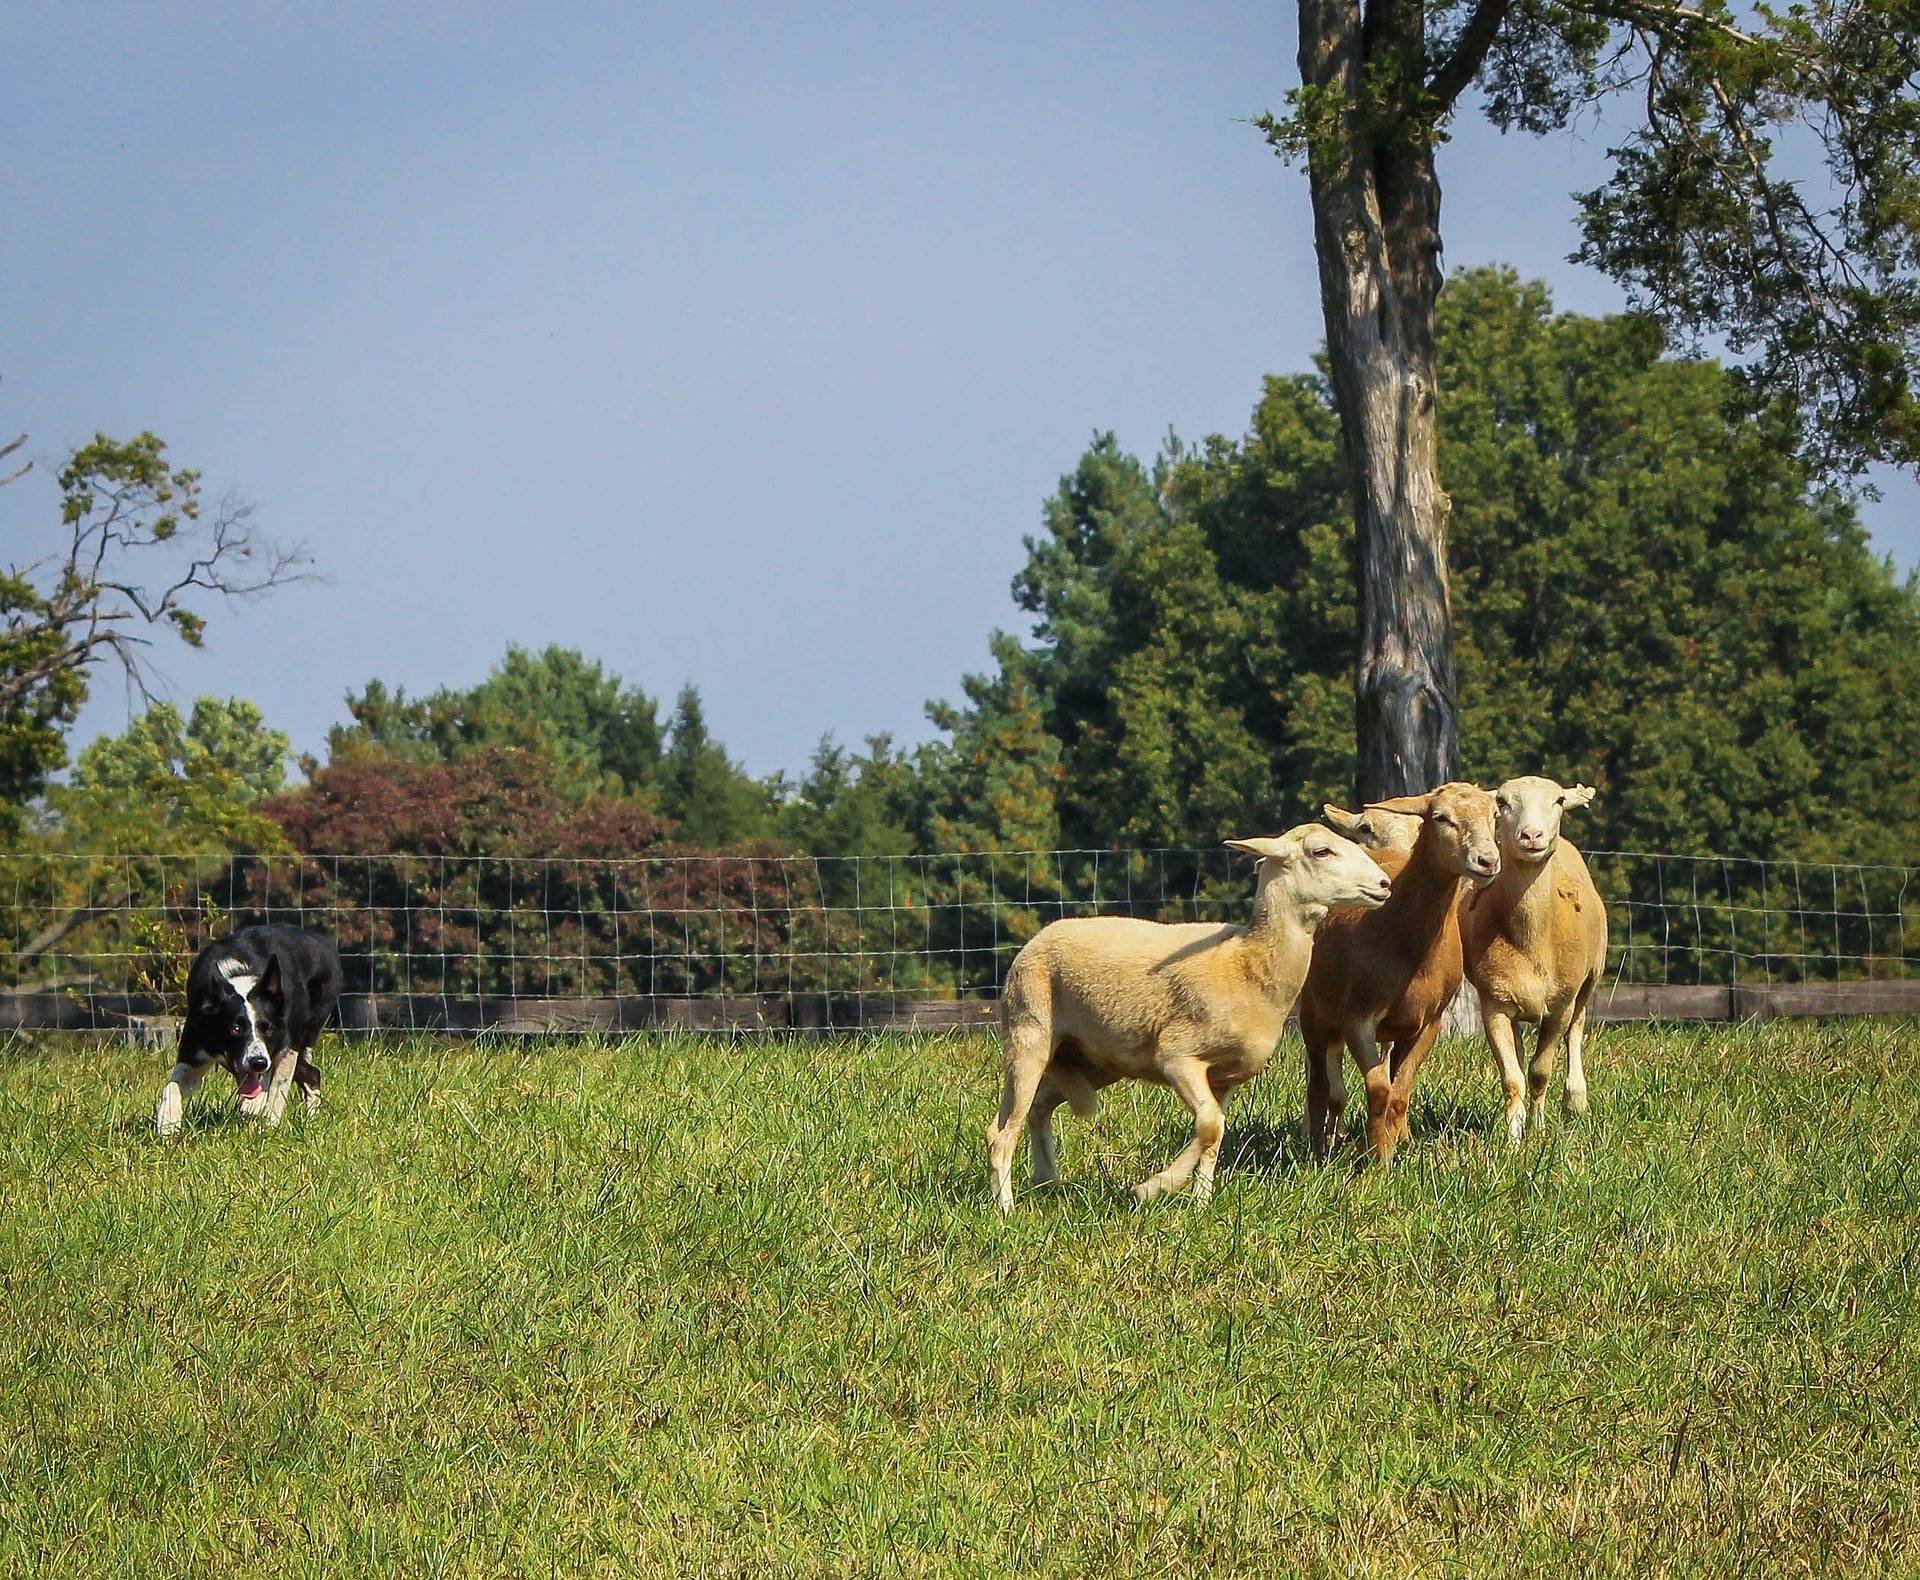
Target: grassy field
{"x":692,"y":1308}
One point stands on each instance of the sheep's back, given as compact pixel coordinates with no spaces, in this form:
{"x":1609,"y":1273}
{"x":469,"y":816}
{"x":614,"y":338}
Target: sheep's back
{"x":1115,"y":980}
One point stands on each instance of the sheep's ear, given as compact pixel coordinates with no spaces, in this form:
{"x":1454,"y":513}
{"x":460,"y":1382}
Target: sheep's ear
{"x":1260,"y":849}
{"x":1415,"y":804}
{"x":1342,"y":821}
{"x":1577,"y":795}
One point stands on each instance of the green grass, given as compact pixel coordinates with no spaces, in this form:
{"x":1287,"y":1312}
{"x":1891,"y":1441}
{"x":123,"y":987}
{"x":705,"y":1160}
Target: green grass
{"x":685,"y":1307}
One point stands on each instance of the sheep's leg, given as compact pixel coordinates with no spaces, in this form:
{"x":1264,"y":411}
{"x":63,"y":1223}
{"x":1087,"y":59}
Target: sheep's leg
{"x":1506,"y":1054}
{"x":1382,"y":1128}
{"x":1027,"y":1055}
{"x":1553,"y":1031}
{"x":1326,"y":1093}
{"x":1408,"y":1055}
{"x":1576,"y":1096}
{"x":1040,"y":1154}
{"x":1188,"y":1077}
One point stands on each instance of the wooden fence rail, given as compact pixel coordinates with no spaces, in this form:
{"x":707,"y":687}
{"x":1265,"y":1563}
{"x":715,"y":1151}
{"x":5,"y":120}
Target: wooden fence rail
{"x":377,"y":1014}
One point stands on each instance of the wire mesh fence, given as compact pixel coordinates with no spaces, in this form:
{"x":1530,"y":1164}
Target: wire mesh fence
{"x":765,"y":939}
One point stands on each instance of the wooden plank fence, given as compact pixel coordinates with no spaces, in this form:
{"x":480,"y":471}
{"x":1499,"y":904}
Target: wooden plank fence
{"x":373,"y":1015}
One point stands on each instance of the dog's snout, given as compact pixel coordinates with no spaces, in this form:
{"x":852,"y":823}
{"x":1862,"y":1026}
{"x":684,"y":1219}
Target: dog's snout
{"x":253,"y":1061}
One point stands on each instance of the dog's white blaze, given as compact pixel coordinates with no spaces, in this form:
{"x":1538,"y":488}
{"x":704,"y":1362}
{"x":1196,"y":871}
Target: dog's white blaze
{"x":243,"y":982}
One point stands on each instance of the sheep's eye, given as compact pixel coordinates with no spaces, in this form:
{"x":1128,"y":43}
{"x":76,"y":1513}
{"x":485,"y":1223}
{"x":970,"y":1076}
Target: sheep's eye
{"x":1323,"y":854}
{"x":1443,"y":819}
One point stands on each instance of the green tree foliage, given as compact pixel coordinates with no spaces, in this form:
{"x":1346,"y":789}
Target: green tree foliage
{"x":599,"y":735}
{"x":997,"y":782}
{"x":711,"y":800}
{"x":1652,"y":596}
{"x":127,"y":515}
{"x":42,"y":701}
{"x":172,"y":785}
{"x":870,"y":803}
{"x":1763,"y":198}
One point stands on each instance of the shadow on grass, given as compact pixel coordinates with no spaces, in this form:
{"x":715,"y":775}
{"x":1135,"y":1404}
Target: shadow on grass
{"x":1255,"y":1144}
{"x":205,"y":1118}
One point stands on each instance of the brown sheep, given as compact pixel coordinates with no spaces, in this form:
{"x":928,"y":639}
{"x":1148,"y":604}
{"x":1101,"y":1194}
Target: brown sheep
{"x":1381,"y":980}
{"x":1535,"y":941}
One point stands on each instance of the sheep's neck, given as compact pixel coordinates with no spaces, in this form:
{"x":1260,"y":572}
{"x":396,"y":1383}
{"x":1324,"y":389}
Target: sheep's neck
{"x":1423,"y":897}
{"x":1275,"y":933}
{"x":1524,"y":891}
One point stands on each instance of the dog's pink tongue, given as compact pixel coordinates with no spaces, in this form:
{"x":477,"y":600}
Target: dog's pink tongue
{"x":251,"y":1085}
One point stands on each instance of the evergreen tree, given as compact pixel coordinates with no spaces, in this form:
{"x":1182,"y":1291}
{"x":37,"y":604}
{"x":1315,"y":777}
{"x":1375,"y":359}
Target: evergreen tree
{"x":710,"y":799}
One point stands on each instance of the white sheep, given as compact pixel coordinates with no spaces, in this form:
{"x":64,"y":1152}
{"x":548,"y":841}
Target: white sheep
{"x":1196,"y":1006}
{"x":1535,"y":941}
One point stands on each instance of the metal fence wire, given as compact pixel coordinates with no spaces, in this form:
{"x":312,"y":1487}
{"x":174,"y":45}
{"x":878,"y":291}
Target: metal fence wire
{"x":866,"y":931}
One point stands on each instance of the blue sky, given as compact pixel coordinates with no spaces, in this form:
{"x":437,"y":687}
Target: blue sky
{"x":728,"y":343}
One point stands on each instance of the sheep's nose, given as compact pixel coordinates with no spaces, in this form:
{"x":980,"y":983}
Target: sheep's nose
{"x":1487,"y":864}
{"x":1533,"y":836}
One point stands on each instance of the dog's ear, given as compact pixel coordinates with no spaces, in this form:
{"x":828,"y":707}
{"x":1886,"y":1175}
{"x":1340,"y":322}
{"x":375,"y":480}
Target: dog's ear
{"x":270,"y":978}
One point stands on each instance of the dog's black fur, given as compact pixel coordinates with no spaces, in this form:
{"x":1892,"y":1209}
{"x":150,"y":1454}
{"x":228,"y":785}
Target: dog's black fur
{"x":293,"y":982}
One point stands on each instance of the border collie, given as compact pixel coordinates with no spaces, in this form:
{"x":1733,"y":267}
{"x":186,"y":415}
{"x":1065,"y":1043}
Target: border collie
{"x":255,"y":1003}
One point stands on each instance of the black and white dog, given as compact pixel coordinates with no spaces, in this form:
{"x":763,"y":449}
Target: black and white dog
{"x":255,"y":1003}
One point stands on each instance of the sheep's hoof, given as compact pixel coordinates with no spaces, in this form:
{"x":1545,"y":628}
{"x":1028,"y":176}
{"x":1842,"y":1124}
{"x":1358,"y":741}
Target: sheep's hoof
{"x":1516,"y":1126}
{"x":1145,"y":1191}
{"x":1576,"y":1103}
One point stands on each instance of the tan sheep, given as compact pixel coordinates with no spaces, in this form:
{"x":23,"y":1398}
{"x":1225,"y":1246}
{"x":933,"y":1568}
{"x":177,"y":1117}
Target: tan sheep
{"x":1374,"y":826}
{"x":1536,"y":945}
{"x":1195,"y":1006}
{"x":1382,"y":979}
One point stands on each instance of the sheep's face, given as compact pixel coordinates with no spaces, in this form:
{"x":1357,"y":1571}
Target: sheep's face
{"x":1528,"y":815}
{"x":1375,"y":828}
{"x":1457,"y":831}
{"x":1318,"y":868}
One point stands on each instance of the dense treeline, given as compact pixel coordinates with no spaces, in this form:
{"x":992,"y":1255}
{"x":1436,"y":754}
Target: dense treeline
{"x":1649,"y":595}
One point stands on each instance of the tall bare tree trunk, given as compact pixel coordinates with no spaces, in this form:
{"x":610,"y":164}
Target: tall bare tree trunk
{"x":1376,"y":211}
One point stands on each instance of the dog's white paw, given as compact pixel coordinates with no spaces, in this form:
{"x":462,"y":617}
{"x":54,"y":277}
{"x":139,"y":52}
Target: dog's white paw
{"x":167,"y":1118}
{"x":253,"y":1107}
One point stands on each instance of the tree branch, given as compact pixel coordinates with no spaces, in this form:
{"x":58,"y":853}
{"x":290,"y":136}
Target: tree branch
{"x":39,"y":945}
{"x":1631,"y":11}
{"x":1469,"y":51}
